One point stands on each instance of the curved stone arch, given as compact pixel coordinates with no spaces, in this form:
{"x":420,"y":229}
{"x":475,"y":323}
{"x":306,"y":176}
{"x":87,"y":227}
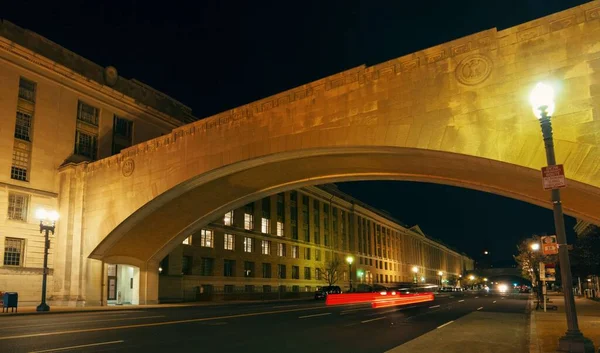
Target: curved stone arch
{"x":310,"y":167}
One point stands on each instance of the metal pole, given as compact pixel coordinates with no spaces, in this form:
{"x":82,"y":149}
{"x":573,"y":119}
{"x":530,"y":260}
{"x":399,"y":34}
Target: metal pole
{"x":573,"y":341}
{"x":350,"y":275}
{"x":43,"y":306}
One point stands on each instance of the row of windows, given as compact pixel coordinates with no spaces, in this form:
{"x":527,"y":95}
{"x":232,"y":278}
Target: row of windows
{"x":86,"y":133}
{"x":207,"y":266}
{"x":207,"y":241}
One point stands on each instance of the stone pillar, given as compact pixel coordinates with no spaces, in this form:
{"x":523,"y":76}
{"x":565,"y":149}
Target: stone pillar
{"x":148,"y":283}
{"x":68,"y":260}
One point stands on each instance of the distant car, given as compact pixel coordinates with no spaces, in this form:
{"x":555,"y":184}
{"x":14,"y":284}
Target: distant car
{"x":323,"y":292}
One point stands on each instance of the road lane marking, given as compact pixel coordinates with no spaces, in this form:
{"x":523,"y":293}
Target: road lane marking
{"x":375,"y":319}
{"x":462,"y":300}
{"x":435,"y":306}
{"x":353,"y":310}
{"x":82,"y":322}
{"x":494,"y":302}
{"x":314,"y":315}
{"x":447,"y":323}
{"x":80,"y":346}
{"x":285,"y":306}
{"x":164,"y":323}
{"x":476,"y":297}
{"x":481,"y":307}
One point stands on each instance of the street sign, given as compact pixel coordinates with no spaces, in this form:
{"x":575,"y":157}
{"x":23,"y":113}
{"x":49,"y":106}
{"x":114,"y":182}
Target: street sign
{"x":550,"y":274}
{"x":549,"y":245}
{"x":553,"y":177}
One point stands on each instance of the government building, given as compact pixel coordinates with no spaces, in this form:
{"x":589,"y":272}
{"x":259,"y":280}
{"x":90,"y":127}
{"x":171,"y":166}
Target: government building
{"x":60,"y":112}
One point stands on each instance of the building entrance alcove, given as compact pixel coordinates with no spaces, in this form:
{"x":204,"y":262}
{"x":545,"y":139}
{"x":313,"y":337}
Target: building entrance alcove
{"x":122,"y":284}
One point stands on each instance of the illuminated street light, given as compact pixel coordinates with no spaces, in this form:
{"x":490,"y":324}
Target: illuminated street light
{"x":471,"y":277}
{"x":350,"y":260}
{"x":485,"y":279}
{"x":415,"y":270}
{"x":542,"y":103}
{"x":535,"y":246}
{"x":47,"y":225}
{"x":485,"y":252}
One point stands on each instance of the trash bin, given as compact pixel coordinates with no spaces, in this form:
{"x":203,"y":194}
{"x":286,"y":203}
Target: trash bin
{"x":10,"y":300}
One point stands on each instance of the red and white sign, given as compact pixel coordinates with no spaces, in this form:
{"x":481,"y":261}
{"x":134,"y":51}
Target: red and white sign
{"x":553,"y":177}
{"x":549,"y":245}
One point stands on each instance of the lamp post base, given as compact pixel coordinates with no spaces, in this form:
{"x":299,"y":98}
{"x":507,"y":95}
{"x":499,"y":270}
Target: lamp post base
{"x":43,"y":307}
{"x":576,"y":343}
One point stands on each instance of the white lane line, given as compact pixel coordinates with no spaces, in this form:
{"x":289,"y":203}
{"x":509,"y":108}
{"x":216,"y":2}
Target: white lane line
{"x":375,"y":319}
{"x":481,"y":307}
{"x":314,"y":315}
{"x":447,"y":323}
{"x":83,"y":322}
{"x":435,"y":306}
{"x":494,"y":302}
{"x":80,"y":346}
{"x":285,"y":306}
{"x":476,"y":297}
{"x":462,"y":300}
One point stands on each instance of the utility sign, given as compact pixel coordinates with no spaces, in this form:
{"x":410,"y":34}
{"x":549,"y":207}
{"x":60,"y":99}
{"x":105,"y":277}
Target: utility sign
{"x":553,"y":177}
{"x":549,"y":245}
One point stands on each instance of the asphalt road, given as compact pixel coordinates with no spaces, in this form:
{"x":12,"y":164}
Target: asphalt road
{"x":302,"y":326}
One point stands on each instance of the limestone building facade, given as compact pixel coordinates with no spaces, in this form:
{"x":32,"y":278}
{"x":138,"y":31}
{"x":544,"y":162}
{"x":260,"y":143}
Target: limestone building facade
{"x":59,"y":109}
{"x":288,"y":241}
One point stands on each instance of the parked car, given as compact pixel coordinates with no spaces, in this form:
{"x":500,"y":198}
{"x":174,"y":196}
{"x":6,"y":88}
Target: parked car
{"x":323,"y":292}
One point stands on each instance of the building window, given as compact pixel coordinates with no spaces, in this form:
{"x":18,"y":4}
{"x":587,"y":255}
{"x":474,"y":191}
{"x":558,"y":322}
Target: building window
{"x":17,"y":207}
{"x":280,"y":208}
{"x":280,"y":249}
{"x":13,"y":252}
{"x":122,"y":134}
{"x":206,"y":238}
{"x":266,"y":270}
{"x":266,"y":247}
{"x":187,"y":241}
{"x":85,"y":144}
{"x":23,"y":126}
{"x":87,"y":113}
{"x":228,"y":268}
{"x":208,"y":265}
{"x":295,"y":251}
{"x":228,"y":242}
{"x":295,"y":272}
{"x":318,"y":274}
{"x":27,"y":90}
{"x":247,"y":244}
{"x":186,"y":265}
{"x":248,"y":269}
{"x":228,"y":218}
{"x":20,"y":161}
{"x":279,"y":229}
{"x":307,"y":272}
{"x":248,"y":221}
{"x":317,"y":254}
{"x":265,"y":225}
{"x":307,"y":253}
{"x":306,"y":234}
{"x":281,"y":271}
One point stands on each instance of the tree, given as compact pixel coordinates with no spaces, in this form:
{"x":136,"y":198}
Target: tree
{"x":529,"y":260}
{"x":331,"y":271}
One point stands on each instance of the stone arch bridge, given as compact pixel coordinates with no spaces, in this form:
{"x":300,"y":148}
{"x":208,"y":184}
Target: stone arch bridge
{"x":454,"y":114}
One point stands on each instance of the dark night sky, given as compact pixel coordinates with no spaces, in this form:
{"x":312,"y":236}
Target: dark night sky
{"x":215,"y":55}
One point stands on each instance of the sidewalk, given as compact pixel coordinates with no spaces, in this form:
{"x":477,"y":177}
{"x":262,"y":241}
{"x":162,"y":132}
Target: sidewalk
{"x":547,"y":327}
{"x":30,"y":310}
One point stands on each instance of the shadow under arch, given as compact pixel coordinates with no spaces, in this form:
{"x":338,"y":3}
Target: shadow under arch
{"x":152,"y":231}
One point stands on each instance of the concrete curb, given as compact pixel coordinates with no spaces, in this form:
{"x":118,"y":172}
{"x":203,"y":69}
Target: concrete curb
{"x":534,"y":344}
{"x":147,"y":307}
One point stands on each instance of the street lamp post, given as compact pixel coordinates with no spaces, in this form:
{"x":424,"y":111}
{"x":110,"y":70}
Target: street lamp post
{"x":542,"y":102}
{"x":47,"y":225}
{"x":441,"y":274}
{"x":415,"y":270}
{"x":350,"y":260}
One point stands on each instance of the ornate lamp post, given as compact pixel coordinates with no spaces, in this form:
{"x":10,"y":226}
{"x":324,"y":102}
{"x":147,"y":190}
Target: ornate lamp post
{"x":441,"y":274}
{"x":350,"y":260}
{"x":47,"y":224}
{"x":542,"y":102}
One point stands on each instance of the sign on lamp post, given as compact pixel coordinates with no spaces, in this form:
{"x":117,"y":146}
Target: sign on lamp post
{"x":553,"y":177}
{"x":549,"y":245}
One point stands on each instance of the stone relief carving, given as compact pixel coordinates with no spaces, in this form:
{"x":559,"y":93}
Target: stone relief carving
{"x":474,"y":69}
{"x":128,"y":167}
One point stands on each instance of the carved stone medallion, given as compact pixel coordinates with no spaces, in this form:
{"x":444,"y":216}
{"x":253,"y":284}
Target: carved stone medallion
{"x":128,"y":167}
{"x":474,"y":69}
